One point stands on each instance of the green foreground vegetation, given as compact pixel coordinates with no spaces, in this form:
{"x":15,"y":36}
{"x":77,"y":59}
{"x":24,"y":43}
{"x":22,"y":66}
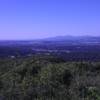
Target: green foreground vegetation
{"x":48,"y":78}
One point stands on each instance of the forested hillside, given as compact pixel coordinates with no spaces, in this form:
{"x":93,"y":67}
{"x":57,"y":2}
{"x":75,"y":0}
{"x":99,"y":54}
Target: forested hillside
{"x":48,"y":78}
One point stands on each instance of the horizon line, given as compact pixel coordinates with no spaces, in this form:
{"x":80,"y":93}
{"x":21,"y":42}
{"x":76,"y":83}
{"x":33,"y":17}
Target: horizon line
{"x":30,"y":39}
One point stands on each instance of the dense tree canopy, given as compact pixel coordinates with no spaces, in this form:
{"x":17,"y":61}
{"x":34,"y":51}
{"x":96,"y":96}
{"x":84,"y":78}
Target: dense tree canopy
{"x":48,"y":78}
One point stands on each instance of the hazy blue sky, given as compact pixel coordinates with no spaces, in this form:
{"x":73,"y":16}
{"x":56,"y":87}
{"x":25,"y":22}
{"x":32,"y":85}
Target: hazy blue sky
{"x":29,"y":19}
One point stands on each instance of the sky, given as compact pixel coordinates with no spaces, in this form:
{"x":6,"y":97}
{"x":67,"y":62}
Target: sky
{"x":31,"y":19}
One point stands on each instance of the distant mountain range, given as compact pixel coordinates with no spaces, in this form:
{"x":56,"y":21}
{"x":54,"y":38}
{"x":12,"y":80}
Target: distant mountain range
{"x":57,"y":39}
{"x":66,"y":38}
{"x":74,"y":39}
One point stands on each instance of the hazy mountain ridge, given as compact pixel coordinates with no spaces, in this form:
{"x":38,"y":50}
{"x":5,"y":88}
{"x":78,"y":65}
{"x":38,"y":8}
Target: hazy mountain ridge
{"x":77,"y":39}
{"x":74,"y":38}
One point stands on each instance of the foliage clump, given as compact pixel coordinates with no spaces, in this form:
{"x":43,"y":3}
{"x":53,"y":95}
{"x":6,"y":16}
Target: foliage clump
{"x":48,"y":78}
